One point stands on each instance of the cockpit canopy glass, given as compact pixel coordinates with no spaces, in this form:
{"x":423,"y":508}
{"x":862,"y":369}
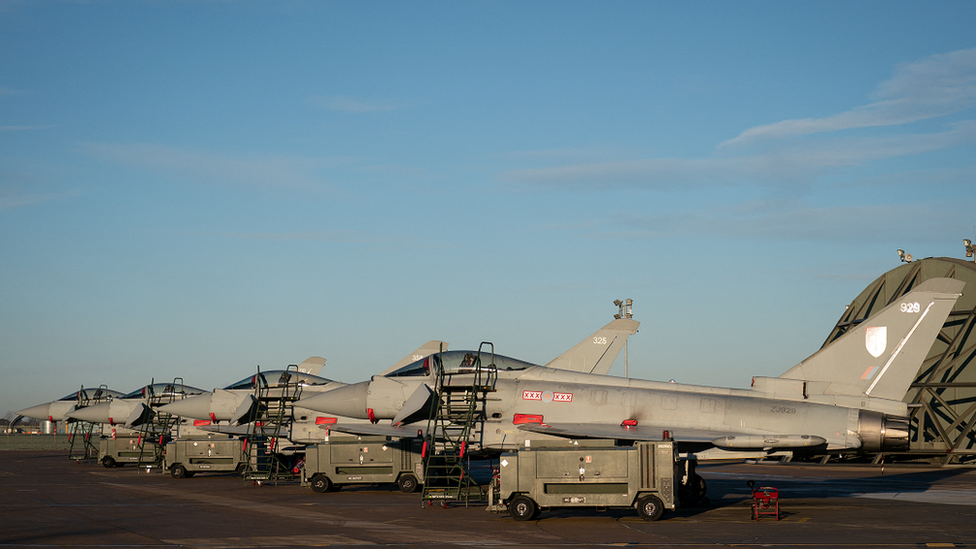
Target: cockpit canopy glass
{"x":89,"y":393}
{"x":279,"y":378}
{"x":459,"y":362}
{"x":164,"y":390}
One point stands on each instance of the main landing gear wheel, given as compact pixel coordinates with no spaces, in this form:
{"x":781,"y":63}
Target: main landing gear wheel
{"x":408,"y":484}
{"x":650,"y":508}
{"x":523,"y":508}
{"x":321,"y":484}
{"x":694,"y":492}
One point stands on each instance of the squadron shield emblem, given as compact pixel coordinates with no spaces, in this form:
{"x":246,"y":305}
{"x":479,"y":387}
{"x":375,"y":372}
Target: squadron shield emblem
{"x":876,"y":340}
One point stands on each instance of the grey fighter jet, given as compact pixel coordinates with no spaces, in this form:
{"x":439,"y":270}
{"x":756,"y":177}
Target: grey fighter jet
{"x":402,"y":394}
{"x":59,"y":409}
{"x":135,"y":408}
{"x":846,"y":397}
{"x":229,"y":410}
{"x":235,"y":403}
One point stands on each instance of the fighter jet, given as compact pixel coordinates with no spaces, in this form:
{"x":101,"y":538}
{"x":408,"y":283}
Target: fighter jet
{"x":846,"y":397}
{"x":135,"y":408}
{"x":231,"y":410}
{"x":236,"y":404}
{"x":138,"y":407}
{"x":403,"y":393}
{"x":58,"y":409}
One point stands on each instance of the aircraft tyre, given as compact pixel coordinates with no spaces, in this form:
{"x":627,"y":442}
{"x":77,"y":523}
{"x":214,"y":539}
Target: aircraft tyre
{"x":321,"y":483}
{"x":693,"y":492}
{"x":407,"y":483}
{"x":179,"y":471}
{"x":650,"y":507}
{"x":523,"y":508}
{"x":108,"y":462}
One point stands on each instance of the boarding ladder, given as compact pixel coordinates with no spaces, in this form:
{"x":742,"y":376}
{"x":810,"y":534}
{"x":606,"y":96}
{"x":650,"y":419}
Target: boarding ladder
{"x":80,"y":443}
{"x":455,"y":421}
{"x":270,"y":419}
{"x":159,"y":428}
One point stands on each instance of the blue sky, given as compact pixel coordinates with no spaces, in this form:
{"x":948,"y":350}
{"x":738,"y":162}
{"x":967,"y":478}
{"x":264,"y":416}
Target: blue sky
{"x":196,"y":188}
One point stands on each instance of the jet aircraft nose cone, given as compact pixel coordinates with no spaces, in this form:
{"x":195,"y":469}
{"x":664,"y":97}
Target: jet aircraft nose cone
{"x":348,"y":401}
{"x":98,"y":413}
{"x":41,"y":411}
{"x":195,"y":407}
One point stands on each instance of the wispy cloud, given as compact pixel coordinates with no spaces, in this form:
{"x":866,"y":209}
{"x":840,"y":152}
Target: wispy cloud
{"x":561,"y":154}
{"x":340,"y":237}
{"x":935,"y":86}
{"x":206,"y":167}
{"x":13,"y":200}
{"x":795,"y":151}
{"x":788,"y":163}
{"x":793,"y":221}
{"x":346,"y":104}
{"x":397,"y":240}
{"x":10,"y":5}
{"x":23,"y":128}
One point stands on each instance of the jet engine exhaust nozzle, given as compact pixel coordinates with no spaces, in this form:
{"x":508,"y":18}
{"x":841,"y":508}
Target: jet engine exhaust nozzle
{"x":882,"y":433}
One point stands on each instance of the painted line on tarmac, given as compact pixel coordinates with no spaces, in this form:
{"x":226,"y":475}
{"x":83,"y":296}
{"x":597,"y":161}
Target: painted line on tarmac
{"x":405,"y":534}
{"x":943,"y":497}
{"x":329,"y":540}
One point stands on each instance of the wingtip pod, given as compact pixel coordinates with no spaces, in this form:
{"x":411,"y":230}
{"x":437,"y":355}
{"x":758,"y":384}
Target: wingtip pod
{"x":881,"y":356}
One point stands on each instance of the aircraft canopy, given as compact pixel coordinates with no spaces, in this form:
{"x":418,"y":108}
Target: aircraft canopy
{"x":458,"y":362}
{"x":278,"y":378}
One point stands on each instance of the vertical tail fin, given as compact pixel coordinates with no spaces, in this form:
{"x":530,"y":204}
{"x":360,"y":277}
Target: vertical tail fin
{"x":429,"y":348}
{"x":882,"y":355}
{"x":597,"y":353}
{"x":312,"y":365}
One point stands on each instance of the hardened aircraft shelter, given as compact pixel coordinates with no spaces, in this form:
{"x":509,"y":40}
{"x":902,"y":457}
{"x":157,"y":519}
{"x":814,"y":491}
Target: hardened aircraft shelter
{"x":943,"y":396}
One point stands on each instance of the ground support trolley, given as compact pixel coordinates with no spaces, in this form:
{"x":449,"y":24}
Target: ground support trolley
{"x":345,"y":460}
{"x":593,"y":474}
{"x":186,"y":457}
{"x":118,"y":451}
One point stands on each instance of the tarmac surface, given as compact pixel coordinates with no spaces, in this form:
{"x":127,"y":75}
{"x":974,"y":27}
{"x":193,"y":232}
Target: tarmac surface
{"x":48,"y":501}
